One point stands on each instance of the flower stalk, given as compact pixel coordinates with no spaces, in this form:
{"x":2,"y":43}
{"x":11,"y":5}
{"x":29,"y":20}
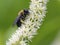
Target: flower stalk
{"x":26,"y":32}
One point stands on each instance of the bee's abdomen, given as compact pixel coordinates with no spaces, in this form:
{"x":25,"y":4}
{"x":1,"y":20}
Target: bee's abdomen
{"x":18,"y":23}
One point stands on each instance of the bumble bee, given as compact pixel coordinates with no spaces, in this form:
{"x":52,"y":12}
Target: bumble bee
{"x":21,"y":17}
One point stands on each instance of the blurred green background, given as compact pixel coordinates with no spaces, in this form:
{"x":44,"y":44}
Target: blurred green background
{"x":48,"y":31}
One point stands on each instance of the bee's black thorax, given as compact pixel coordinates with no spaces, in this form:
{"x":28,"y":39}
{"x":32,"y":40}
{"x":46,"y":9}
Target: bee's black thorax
{"x":26,"y":12}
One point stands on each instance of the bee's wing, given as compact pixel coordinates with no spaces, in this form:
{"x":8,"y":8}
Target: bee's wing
{"x":15,"y":21}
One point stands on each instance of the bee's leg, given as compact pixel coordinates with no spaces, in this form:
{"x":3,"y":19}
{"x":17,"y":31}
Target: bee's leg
{"x":22,"y":21}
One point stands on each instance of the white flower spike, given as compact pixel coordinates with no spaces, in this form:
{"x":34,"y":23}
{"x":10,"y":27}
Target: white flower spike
{"x":26,"y":32}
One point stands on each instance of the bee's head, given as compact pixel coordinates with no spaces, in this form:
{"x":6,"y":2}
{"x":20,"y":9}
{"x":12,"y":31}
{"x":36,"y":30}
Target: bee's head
{"x":26,"y":12}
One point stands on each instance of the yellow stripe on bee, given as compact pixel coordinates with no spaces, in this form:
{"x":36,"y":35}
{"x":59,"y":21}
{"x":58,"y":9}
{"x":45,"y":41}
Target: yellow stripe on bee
{"x":21,"y":12}
{"x":22,"y":21}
